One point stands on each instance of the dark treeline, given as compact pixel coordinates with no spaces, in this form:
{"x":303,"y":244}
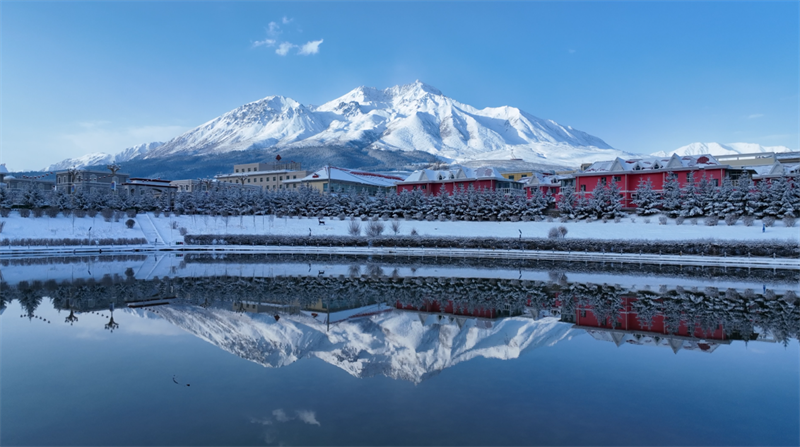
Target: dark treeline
{"x":741,"y":314}
{"x":781,"y":249}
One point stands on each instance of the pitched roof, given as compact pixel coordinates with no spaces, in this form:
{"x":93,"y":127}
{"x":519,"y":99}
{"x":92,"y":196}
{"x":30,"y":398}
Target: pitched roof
{"x":347,"y":175}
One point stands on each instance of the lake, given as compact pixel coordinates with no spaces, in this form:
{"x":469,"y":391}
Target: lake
{"x":207,"y":349}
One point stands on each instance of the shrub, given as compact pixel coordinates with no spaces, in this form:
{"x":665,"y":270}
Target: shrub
{"x":768,"y":221}
{"x":662,"y":220}
{"x":107,"y":214}
{"x":605,"y":219}
{"x":693,"y":221}
{"x":731,"y":219}
{"x":396,"y":226}
{"x":647,"y":220}
{"x":92,"y":213}
{"x":633,"y":220}
{"x":354,"y":228}
{"x":174,"y":225}
{"x":51,"y":212}
{"x":563,"y":219}
{"x":157,"y":213}
{"x":80,"y":213}
{"x":414,"y":232}
{"x":550,"y":219}
{"x":130,"y":223}
{"x":711,"y":221}
{"x":130,"y":213}
{"x":374,"y":228}
{"x":748,"y":221}
{"x":617,"y":219}
{"x":24,"y":212}
{"x":563,"y":231}
{"x":2,"y":224}
{"x":4,"y":212}
{"x":553,"y":233}
{"x":788,"y":221}
{"x":679,"y":220}
{"x":183,"y":231}
{"x":38,"y":212}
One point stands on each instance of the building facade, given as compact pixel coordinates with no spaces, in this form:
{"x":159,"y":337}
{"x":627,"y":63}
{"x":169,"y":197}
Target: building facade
{"x":267,"y":176}
{"x":73,"y":180}
{"x":453,"y":180}
{"x":628,"y":173}
{"x":331,"y":179}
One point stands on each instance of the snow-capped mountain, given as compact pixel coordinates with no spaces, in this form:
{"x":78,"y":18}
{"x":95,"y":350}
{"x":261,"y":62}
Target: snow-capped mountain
{"x":101,"y":158}
{"x":721,"y":149}
{"x":395,"y":344}
{"x":413,"y":117}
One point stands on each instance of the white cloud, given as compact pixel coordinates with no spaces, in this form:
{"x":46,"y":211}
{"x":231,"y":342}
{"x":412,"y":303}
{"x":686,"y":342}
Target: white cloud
{"x":265,"y":42}
{"x":754,"y":116}
{"x":273,"y":29}
{"x":281,"y":416}
{"x":311,"y":47}
{"x":309,"y":417}
{"x":263,"y":421}
{"x":283,"y":48}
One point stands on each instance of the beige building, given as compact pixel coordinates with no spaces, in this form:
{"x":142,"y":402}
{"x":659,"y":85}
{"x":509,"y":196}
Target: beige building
{"x":267,"y":176}
{"x":72,"y":180}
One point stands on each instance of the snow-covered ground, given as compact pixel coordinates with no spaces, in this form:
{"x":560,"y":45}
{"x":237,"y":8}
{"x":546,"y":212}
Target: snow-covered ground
{"x":167,"y":229}
{"x":625,"y":229}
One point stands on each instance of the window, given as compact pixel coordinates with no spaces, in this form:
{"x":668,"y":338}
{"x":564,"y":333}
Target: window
{"x":262,"y":179}
{"x":617,"y":178}
{"x":248,"y":169}
{"x":273,"y":179}
{"x":237,"y":170}
{"x":522,"y":176}
{"x":294,"y":177}
{"x":294,"y":186}
{"x":248,"y":180}
{"x":325,"y":187}
{"x":583,"y":187}
{"x":602,"y":180}
{"x":511,"y":177}
{"x":281,"y":178}
{"x":714,"y":182}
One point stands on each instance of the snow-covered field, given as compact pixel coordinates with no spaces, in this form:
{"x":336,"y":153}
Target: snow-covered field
{"x":166,"y":230}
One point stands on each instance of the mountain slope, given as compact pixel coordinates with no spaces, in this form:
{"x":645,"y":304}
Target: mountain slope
{"x":395,"y":344}
{"x":102,"y":158}
{"x":413,"y":117}
{"x":721,"y":149}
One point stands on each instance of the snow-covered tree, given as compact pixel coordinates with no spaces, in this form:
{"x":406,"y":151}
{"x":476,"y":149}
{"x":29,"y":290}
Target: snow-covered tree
{"x":646,"y":200}
{"x":671,"y":197}
{"x":566,"y":202}
{"x":692,"y":204}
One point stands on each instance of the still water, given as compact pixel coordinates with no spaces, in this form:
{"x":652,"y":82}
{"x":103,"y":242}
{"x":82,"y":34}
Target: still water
{"x":250,"y":350}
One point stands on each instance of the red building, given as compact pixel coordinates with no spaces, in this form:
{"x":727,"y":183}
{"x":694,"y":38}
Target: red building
{"x":629,"y":329}
{"x":628,"y":173}
{"x":449,"y":181}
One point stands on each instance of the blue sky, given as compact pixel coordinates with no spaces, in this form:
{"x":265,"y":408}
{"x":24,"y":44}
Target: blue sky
{"x":97,"y":76}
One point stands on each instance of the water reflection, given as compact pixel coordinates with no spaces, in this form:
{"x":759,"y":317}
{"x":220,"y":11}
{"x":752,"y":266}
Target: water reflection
{"x":381,"y":319}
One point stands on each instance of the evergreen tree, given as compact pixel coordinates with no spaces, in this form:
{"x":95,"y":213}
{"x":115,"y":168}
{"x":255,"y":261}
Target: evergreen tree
{"x":671,"y":197}
{"x":756,"y":199}
{"x":566,"y":202}
{"x":692,"y":205}
{"x":647,"y":201}
{"x":774,"y":198}
{"x":790,"y":205}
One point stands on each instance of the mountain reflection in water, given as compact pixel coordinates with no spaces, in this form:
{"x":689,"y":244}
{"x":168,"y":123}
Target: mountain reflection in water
{"x":408,"y":326}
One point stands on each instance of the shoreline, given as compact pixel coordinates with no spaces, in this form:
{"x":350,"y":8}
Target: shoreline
{"x":424,"y":252}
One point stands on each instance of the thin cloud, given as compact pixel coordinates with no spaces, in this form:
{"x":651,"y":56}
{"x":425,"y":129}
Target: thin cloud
{"x":273,"y":29}
{"x":311,"y":47}
{"x":264,"y":43}
{"x":283,"y":48}
{"x":308,"y":417}
{"x":754,"y":116}
{"x":281,"y":416}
